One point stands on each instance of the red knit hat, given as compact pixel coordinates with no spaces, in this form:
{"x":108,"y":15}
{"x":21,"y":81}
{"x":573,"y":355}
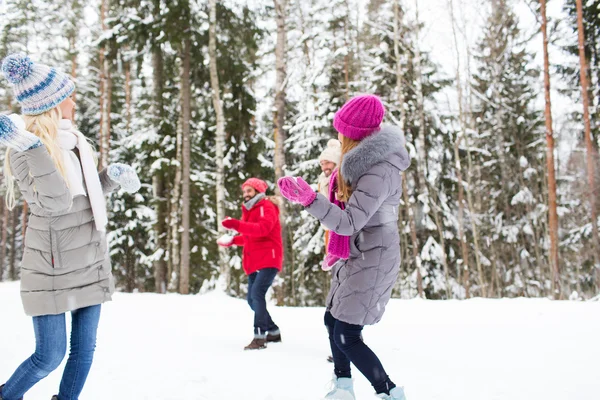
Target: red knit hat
{"x":359,"y":117}
{"x":259,"y":185}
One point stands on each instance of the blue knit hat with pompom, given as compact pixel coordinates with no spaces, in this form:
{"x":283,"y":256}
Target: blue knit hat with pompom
{"x":37,"y":87}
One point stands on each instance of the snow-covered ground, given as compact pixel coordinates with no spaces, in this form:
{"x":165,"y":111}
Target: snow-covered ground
{"x":174,"y":347}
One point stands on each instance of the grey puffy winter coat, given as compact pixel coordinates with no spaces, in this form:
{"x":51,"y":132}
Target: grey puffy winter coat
{"x":362,"y":286}
{"x":65,"y":265}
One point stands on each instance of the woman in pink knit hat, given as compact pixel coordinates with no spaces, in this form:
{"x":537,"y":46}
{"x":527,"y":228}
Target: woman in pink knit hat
{"x":365,"y":243}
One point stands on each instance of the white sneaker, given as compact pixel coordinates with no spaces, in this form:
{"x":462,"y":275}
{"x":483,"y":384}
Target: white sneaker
{"x":343,"y":390}
{"x":396,"y":393}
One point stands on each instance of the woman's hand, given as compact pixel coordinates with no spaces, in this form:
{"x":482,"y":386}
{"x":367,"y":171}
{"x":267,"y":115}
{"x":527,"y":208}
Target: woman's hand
{"x":124,"y":175}
{"x":329,"y":262}
{"x":14,"y":135}
{"x":296,"y":190}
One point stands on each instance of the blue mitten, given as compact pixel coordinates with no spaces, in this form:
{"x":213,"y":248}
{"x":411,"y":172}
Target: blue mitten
{"x":14,"y":135}
{"x":124,"y":175}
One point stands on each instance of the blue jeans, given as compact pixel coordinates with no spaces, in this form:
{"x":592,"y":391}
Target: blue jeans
{"x":258,"y":285}
{"x":50,"y":349}
{"x":347,"y":346}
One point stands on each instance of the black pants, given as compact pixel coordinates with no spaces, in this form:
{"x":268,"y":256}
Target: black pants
{"x":258,"y":285}
{"x":347,"y":346}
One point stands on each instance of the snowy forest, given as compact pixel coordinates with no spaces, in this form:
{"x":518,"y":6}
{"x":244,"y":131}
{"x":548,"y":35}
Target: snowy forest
{"x":501,"y":199}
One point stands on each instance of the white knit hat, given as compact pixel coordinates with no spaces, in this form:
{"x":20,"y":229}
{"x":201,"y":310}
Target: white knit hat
{"x":333,"y":152}
{"x":37,"y":87}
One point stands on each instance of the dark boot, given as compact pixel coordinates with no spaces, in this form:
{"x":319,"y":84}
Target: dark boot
{"x":274,"y":337}
{"x":1,"y":386}
{"x":257,"y":344}
{"x":55,"y":397}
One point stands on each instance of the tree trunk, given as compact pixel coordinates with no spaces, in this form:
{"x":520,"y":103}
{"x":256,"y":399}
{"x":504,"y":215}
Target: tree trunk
{"x":12,"y":268}
{"x":413,"y":237}
{"x":101,"y":83}
{"x":347,"y":51}
{"x":5,"y":223}
{"x":130,"y":261}
{"x":422,"y":167}
{"x":469,"y":187}
{"x":127,"y":67}
{"x":464,"y":272}
{"x":160,"y":265}
{"x":158,"y":179}
{"x":184,"y":280}
{"x":400,"y":95}
{"x":72,"y":51}
{"x":105,"y":93}
{"x":440,"y":225}
{"x":588,"y":140}
{"x":552,"y":206}
{"x":499,"y":281}
{"x":129,"y":270}
{"x":225,"y":277}
{"x":280,"y":103}
{"x":174,"y":265}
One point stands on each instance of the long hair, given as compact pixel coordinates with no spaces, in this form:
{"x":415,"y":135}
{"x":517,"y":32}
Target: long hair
{"x":344,"y":189}
{"x":44,"y":126}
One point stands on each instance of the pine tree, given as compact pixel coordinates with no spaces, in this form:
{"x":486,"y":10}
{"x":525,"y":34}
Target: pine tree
{"x":420,"y":82}
{"x":511,"y":156}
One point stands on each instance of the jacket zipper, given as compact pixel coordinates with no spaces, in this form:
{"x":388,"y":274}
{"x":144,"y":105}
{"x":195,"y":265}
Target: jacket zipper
{"x":56,"y":257}
{"x":337,"y":275}
{"x":51,"y":247}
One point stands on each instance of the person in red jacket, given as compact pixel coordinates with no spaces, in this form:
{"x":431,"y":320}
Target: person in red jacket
{"x":260,"y":235}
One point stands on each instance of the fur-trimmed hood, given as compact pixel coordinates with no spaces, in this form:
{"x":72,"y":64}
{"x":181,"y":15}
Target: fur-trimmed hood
{"x":387,"y":145}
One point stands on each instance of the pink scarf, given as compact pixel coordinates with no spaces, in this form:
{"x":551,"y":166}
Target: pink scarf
{"x":339,"y":246}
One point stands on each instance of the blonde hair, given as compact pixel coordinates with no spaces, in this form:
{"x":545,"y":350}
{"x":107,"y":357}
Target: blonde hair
{"x":45,"y":126}
{"x":344,"y":189}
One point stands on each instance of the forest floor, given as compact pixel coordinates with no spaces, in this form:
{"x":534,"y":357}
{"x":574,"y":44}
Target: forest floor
{"x":173,"y":347}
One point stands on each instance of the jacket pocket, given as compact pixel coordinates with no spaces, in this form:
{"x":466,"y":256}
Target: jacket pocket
{"x":55,"y":249}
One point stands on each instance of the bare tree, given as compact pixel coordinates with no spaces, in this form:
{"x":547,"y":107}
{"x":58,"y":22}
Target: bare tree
{"x":174,"y":264}
{"x":3,"y":245}
{"x":588,"y":139}
{"x":158,"y":178}
{"x":184,"y":278}
{"x":280,"y":101}
{"x":73,"y":55}
{"x":469,"y":188}
{"x":464,"y":272}
{"x":219,"y":140}
{"x":12,"y":267}
{"x":347,"y":44}
{"x":426,"y":197}
{"x":400,"y":96}
{"x":130,"y":261}
{"x":127,"y":70}
{"x":105,"y":91}
{"x":552,"y":207}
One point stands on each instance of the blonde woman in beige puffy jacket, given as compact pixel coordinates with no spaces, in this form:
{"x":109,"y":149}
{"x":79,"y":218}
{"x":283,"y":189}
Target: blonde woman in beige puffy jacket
{"x":66,"y":265}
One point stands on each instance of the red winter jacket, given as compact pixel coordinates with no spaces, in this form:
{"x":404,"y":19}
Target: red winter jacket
{"x":260,"y":234}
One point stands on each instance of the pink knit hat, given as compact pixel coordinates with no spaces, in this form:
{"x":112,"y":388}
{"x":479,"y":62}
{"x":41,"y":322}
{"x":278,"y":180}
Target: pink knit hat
{"x":359,"y":117}
{"x":259,"y":185}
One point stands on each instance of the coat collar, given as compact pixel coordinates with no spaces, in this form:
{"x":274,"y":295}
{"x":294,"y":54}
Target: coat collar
{"x":386,"y":145}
